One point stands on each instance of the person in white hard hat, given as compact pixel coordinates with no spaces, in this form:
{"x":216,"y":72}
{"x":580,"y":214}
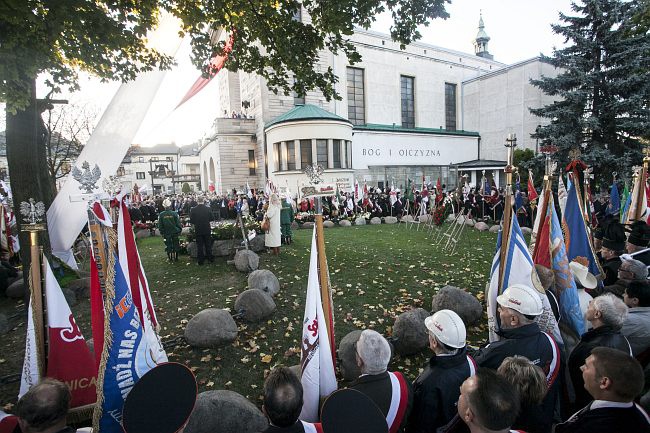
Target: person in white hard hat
{"x":437,"y":388}
{"x":520,"y":335}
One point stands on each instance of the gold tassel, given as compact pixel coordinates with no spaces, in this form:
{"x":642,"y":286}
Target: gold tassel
{"x":109,"y":299}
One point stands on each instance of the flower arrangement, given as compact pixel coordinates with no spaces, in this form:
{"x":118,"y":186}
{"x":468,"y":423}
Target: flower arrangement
{"x":303,"y":217}
{"x":440,"y":214}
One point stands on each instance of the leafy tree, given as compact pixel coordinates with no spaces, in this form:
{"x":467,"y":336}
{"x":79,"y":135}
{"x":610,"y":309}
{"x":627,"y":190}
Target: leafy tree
{"x":108,"y":39}
{"x":186,"y":188}
{"x":524,"y":159}
{"x":603,"y":89}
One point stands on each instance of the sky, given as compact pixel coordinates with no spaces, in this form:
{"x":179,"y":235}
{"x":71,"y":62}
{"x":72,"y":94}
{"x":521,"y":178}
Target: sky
{"x":519,"y":30}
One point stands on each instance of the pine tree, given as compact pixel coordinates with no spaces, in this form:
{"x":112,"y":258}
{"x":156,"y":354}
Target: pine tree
{"x":603,"y":89}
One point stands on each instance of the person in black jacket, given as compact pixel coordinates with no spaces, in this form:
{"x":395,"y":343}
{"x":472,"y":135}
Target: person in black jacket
{"x":611,"y":251}
{"x":200,"y":217}
{"x":436,"y":390}
{"x":520,"y":335}
{"x":283,"y":402}
{"x":530,"y":382}
{"x":614,"y":379}
{"x":373,"y":355}
{"x":606,"y":313}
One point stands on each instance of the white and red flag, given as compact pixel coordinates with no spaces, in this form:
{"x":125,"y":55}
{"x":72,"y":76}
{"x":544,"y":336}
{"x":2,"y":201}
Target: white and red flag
{"x":317,"y":361}
{"x":68,"y":357}
{"x":356,"y":192}
{"x":129,"y":258}
{"x":532,"y":192}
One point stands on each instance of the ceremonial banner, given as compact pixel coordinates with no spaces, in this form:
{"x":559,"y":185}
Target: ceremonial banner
{"x":565,"y":286}
{"x":126,"y":356}
{"x":614,"y":205}
{"x":576,"y":238}
{"x":518,"y":269}
{"x":561,"y":194}
{"x":137,"y":281}
{"x":537,"y":226}
{"x":638,"y":202}
{"x":317,"y":361}
{"x":68,"y":357}
{"x":532,"y":192}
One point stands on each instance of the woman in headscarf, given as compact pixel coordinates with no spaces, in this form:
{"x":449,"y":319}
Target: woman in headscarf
{"x":273,"y":237}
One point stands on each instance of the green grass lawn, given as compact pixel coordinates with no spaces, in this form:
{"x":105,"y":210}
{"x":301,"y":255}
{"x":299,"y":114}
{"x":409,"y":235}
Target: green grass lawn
{"x":376,"y":272}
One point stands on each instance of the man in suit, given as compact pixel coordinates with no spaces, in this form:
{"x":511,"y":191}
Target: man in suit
{"x":200,"y":217}
{"x":283,"y":403}
{"x":390,"y":391}
{"x":614,"y":379}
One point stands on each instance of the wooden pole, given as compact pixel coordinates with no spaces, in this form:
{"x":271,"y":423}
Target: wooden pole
{"x":37,"y":299}
{"x":323,"y":277}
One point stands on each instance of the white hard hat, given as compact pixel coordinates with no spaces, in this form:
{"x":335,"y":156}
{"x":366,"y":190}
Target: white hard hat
{"x":448,"y":327}
{"x":521,"y":298}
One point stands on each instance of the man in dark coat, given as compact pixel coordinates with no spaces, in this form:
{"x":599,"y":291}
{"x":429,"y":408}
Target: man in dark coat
{"x":613,"y":379}
{"x":373,"y":355}
{"x":436,"y":390}
{"x":606,"y":313}
{"x":637,"y":242}
{"x":283,"y":403}
{"x":520,"y":335}
{"x":200,"y":217}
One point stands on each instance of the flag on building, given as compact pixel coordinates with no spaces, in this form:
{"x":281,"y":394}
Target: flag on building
{"x":551,"y":253}
{"x":137,"y":281}
{"x":518,"y":268}
{"x":318,"y":359}
{"x":578,"y":243}
{"x":532,"y":192}
{"x":68,"y":357}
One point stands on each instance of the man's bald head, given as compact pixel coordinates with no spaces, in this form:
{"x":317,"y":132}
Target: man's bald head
{"x":44,"y":407}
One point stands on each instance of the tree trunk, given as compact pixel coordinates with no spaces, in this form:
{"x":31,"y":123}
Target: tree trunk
{"x":28,"y":171}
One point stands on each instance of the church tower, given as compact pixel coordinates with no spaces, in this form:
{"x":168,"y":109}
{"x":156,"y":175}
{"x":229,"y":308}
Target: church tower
{"x":481,"y":41}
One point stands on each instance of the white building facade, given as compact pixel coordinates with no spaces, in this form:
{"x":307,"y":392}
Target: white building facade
{"x":421,"y":113}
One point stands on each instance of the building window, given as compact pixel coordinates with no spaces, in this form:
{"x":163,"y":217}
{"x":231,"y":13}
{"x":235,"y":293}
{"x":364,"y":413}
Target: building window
{"x":291,"y":155}
{"x":277,"y":156}
{"x":450,"y":106}
{"x":356,"y":106}
{"x":321,"y":153}
{"x":305,"y":153}
{"x":141,"y":159}
{"x":154,"y":158}
{"x":169,"y":158}
{"x":407,"y":85}
{"x":298,"y":99}
{"x":336,"y":153}
{"x":139,"y":174}
{"x":251,"y":162}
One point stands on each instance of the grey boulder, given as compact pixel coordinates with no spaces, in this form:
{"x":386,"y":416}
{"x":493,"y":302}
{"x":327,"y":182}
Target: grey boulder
{"x":265,"y":280}
{"x":17,"y":290}
{"x":345,"y":223}
{"x":348,"y":355}
{"x":143,"y":233}
{"x":470,"y":222}
{"x":390,"y":220}
{"x":308,"y":225}
{"x":424,"y":218}
{"x":246,"y":261}
{"x":481,"y":226}
{"x":375,"y":221}
{"x":254,"y":305}
{"x":526,"y":230}
{"x":328,"y":224}
{"x":409,"y":333}
{"x":464,"y":304}
{"x":495,"y":229}
{"x":361,"y":221}
{"x":211,"y":328}
{"x":224,"y":411}
{"x":257,"y":243}
{"x":222,"y":248}
{"x":407,"y":219}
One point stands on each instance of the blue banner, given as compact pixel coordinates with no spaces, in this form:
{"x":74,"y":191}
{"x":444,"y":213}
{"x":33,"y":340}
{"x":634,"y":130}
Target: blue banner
{"x":127,"y":355}
{"x":614,"y":206}
{"x":565,"y":286}
{"x":575,"y":232}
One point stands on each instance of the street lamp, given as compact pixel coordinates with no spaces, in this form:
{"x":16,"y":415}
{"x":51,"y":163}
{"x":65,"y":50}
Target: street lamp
{"x":537,"y":130}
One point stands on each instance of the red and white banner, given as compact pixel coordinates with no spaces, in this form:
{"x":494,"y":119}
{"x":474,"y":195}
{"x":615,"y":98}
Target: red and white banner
{"x":532,"y":192}
{"x":317,"y":363}
{"x":68,"y":357}
{"x":129,"y":258}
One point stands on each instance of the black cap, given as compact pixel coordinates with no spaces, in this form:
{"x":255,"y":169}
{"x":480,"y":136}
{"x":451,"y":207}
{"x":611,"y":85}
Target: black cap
{"x":639,"y":234}
{"x":614,"y":236}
